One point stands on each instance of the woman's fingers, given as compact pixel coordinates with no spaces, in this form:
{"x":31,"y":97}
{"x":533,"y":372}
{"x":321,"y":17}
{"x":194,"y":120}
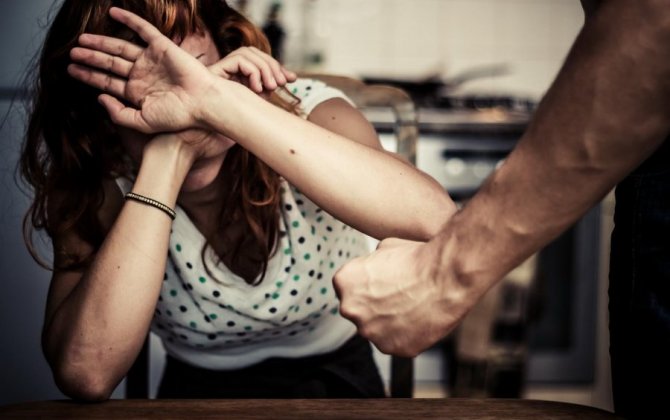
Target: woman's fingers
{"x":264,"y":67}
{"x":273,"y":64}
{"x":282,"y":74}
{"x":240,"y":69}
{"x":144,"y":29}
{"x":113,"y":46}
{"x":251,"y":72}
{"x":116,"y":65}
{"x":253,"y":64}
{"x":290,"y":76}
{"x":103,"y":81}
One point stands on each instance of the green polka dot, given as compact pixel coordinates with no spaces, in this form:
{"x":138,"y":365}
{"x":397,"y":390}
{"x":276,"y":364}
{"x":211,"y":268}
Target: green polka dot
{"x":202,"y":279}
{"x":307,"y":256}
{"x":311,"y":329}
{"x":248,"y":328}
{"x":275,"y":296}
{"x":332,"y":264}
{"x":173,"y":292}
{"x":178,"y":247}
{"x":193,"y":325}
{"x":321,"y":263}
{"x":313,"y":230}
{"x":304,"y":213}
{"x":353,"y":240}
{"x":287,"y":251}
{"x":279,"y":284}
{"x":213,"y":316}
{"x":294,"y":90}
{"x":297,"y":308}
{"x":255,"y":306}
{"x":333,"y":311}
{"x":169,"y":312}
{"x":324,"y":290}
{"x":319,"y":219}
{"x":325,"y":238}
{"x":296,"y":277}
{"x":295,"y":224}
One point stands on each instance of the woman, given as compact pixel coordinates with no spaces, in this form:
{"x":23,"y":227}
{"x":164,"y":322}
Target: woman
{"x":266,"y":205}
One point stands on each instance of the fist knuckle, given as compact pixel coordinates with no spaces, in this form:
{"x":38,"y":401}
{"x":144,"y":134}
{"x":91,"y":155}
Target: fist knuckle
{"x":346,"y":311}
{"x":338,"y":287}
{"x":384,"y":347}
{"x":409,"y":352}
{"x":339,"y":281}
{"x":367,"y":331}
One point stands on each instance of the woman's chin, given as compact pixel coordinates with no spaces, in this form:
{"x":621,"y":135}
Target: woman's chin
{"x":203,"y":173}
{"x":199,"y":179}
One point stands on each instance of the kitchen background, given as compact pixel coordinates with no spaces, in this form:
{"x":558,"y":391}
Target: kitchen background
{"x":482,"y":55}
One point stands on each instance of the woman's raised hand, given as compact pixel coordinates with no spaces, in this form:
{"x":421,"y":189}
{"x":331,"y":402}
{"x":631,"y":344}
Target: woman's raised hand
{"x":162,"y":81}
{"x":163,"y":84}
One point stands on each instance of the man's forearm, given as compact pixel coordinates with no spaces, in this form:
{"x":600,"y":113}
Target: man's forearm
{"x":602,"y":117}
{"x":604,"y":114}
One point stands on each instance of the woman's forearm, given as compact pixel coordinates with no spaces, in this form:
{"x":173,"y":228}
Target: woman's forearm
{"x":96,"y":333}
{"x":362,"y":186}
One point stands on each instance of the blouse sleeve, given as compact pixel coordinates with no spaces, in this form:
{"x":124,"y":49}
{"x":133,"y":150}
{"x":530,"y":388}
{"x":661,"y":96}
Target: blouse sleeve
{"x":314,"y":92}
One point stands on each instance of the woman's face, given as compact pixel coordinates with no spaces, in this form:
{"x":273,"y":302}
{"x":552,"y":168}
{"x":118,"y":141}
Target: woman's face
{"x":212,"y":150}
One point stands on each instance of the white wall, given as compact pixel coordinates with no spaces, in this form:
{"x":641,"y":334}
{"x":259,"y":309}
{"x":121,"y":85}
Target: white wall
{"x":418,"y":38}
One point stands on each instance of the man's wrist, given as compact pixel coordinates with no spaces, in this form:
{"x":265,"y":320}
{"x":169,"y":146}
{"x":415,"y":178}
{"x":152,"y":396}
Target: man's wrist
{"x":461,"y":264}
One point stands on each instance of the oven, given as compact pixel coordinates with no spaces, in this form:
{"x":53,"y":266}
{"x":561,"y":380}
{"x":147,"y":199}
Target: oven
{"x":548,"y":309}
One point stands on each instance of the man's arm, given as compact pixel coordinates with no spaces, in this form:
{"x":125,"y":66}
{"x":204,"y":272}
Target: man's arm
{"x":605,"y":113}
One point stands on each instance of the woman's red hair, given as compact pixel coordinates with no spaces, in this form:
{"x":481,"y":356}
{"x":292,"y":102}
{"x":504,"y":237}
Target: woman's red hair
{"x":71,"y":145}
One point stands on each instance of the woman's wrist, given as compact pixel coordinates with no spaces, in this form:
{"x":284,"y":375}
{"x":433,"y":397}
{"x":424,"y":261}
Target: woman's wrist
{"x":219,"y":108}
{"x":165,"y":164}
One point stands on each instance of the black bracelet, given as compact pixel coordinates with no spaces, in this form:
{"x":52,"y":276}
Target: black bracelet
{"x":151,"y":202}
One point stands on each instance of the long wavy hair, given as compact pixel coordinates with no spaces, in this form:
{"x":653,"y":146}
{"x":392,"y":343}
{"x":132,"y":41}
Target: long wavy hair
{"x":71,"y":146}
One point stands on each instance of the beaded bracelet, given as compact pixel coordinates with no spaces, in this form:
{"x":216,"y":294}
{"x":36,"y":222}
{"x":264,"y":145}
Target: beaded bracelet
{"x":151,"y":202}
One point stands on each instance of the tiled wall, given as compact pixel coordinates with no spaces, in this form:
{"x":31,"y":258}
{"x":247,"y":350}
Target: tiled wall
{"x":419,"y":38}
